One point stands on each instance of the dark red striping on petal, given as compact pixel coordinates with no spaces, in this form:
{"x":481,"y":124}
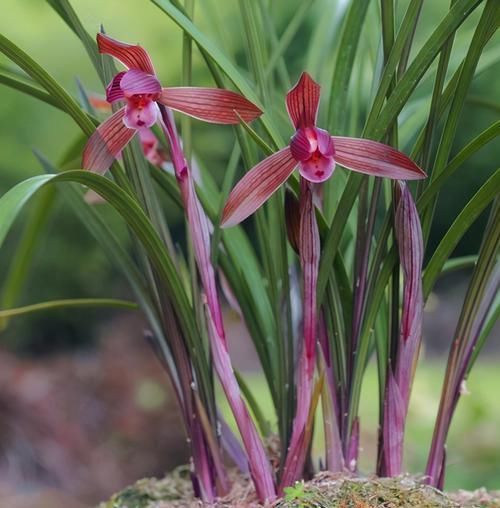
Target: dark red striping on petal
{"x":257,"y":186}
{"x":132,"y":56}
{"x":302,"y":102}
{"x":212,"y":105}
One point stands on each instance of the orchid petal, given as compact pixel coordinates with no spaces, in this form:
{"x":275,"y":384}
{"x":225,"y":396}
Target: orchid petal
{"x":106,"y":143}
{"x":141,"y":116}
{"x":317,"y":169}
{"x":373,"y":158}
{"x":257,"y":186}
{"x":114,"y":91}
{"x":325,"y":142}
{"x":303,"y":144}
{"x":133,"y":57}
{"x":138,"y":82}
{"x":302,"y":102}
{"x":210,"y":104}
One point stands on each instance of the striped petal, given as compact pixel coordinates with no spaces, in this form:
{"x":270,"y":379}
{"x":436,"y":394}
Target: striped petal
{"x":257,"y":186}
{"x":138,"y":82}
{"x":133,"y":57}
{"x":302,"y":102}
{"x":212,"y":105}
{"x":376,"y":159}
{"x":106,"y":143}
{"x":114,"y":91}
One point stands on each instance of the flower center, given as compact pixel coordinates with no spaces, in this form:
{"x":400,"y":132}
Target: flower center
{"x":141,"y":100}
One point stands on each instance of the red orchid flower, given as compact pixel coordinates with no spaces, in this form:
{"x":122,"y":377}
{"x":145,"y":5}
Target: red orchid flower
{"x":141,"y":91}
{"x":316,"y":153}
{"x":149,"y":142}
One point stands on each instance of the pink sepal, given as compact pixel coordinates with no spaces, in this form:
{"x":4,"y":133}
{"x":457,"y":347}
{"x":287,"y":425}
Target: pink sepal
{"x":376,"y":159}
{"x":133,"y":57}
{"x":106,"y":143}
{"x":257,"y":186}
{"x":302,"y":102}
{"x":212,"y":105}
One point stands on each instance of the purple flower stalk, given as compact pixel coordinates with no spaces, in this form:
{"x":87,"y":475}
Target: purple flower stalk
{"x":315,"y":153}
{"x":146,"y":104}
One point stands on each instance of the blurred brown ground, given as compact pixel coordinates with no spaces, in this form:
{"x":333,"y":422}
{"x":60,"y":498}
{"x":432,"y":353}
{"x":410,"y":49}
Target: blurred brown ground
{"x":76,"y":427}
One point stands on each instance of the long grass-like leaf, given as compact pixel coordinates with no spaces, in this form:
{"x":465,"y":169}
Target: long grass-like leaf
{"x":69,"y":303}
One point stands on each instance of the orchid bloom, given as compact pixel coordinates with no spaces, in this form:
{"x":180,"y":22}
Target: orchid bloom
{"x":316,"y":153}
{"x":142,"y":92}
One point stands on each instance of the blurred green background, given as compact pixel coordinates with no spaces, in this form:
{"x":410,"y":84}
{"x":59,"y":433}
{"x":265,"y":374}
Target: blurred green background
{"x":67,"y":263}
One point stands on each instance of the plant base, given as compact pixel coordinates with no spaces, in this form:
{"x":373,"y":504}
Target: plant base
{"x":326,"y":490}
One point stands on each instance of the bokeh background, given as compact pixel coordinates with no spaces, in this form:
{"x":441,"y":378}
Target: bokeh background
{"x":84,"y":407}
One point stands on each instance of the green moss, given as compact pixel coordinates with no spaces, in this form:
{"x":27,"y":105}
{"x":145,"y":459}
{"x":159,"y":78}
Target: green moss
{"x":326,"y":490}
{"x":147,"y":492}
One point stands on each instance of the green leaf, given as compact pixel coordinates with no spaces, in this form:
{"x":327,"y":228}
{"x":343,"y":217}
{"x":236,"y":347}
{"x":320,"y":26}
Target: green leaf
{"x":68,"y":14}
{"x":14,"y":200}
{"x":481,"y":199}
{"x":459,"y":12}
{"x":42,"y":77}
{"x":21,"y":260}
{"x":12,"y":80}
{"x":65,"y":304}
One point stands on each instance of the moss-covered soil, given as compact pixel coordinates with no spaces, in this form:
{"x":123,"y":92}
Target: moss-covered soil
{"x":324,"y":491}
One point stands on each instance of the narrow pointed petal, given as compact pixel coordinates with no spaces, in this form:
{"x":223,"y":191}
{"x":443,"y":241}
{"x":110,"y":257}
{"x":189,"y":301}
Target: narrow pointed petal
{"x":138,"y":82}
{"x":212,"y":105}
{"x":113,"y":90}
{"x":302,"y":102}
{"x":373,"y":158}
{"x":106,"y":143}
{"x":141,"y":116}
{"x":133,"y":57}
{"x":257,"y":186}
